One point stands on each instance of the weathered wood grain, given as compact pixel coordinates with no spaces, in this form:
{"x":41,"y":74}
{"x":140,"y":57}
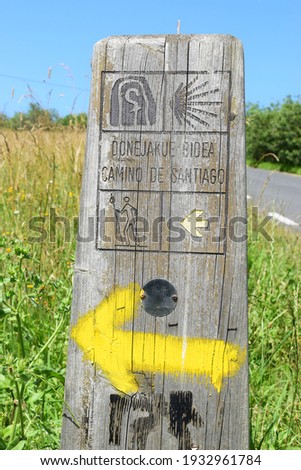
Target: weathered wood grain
{"x":163,"y":196}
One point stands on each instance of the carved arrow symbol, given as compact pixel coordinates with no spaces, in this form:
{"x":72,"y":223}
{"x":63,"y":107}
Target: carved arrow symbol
{"x":120,"y":354}
{"x":194,"y":222}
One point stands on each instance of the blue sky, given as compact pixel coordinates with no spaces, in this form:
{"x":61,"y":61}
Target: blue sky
{"x":46,"y":47}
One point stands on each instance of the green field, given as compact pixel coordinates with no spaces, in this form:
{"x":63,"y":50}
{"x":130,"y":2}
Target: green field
{"x":40,"y":181}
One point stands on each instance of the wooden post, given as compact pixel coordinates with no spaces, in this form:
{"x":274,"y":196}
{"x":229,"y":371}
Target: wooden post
{"x":158,"y":342}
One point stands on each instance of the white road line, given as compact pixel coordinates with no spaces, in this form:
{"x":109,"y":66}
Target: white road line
{"x":282,"y":219}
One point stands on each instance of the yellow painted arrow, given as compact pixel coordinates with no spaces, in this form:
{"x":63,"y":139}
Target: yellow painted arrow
{"x":193,"y":222}
{"x":118,"y":353}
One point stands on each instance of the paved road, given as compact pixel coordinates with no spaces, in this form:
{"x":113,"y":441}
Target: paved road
{"x":276,"y":193}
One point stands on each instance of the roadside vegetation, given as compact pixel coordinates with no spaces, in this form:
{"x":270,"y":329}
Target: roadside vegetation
{"x":41,"y":177}
{"x":273,"y":136}
{"x":274,"y":338}
{"x":47,"y":119}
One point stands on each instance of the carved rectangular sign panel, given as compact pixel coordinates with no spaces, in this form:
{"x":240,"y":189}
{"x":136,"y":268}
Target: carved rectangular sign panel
{"x":158,"y":342}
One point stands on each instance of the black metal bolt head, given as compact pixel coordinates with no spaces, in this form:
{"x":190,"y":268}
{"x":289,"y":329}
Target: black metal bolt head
{"x":159,"y":297}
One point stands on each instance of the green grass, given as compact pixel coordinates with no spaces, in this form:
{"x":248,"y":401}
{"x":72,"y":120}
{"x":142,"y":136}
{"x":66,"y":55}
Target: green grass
{"x":275,"y":166}
{"x":41,"y":171}
{"x":274,"y":339}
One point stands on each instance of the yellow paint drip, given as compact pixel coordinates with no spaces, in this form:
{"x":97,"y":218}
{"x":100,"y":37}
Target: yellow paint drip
{"x":118,"y":353}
